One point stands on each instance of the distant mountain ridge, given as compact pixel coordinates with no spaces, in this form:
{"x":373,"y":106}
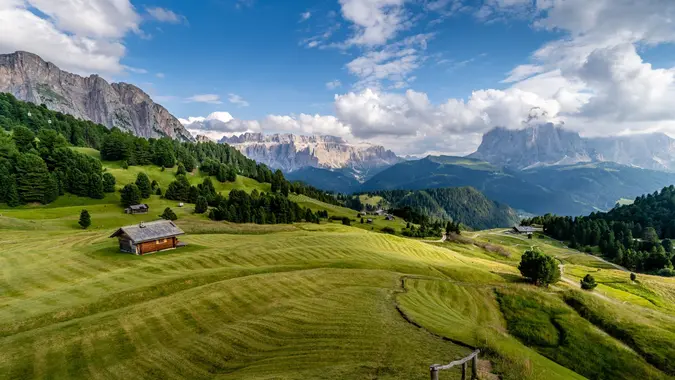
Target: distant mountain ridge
{"x":29,"y":78}
{"x":291,"y":153}
{"x":547,"y":145}
{"x":564,"y":189}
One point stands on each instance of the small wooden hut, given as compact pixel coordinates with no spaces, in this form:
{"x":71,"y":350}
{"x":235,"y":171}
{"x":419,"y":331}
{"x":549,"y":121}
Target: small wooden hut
{"x":144,"y":238}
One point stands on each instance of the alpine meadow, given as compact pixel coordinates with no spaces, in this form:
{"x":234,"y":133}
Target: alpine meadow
{"x":337,"y":190}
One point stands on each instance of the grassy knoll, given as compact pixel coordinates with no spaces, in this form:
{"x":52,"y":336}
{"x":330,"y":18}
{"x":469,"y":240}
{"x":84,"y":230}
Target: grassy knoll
{"x":305,"y":301}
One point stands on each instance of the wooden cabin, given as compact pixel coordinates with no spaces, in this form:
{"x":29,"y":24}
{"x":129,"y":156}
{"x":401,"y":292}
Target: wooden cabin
{"x":144,"y":238}
{"x":137,"y":209}
{"x":522,"y":230}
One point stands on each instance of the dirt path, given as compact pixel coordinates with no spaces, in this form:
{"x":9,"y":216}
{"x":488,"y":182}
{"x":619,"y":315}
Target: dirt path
{"x":577,"y":284}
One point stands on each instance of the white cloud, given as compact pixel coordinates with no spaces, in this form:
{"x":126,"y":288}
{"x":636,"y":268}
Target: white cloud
{"x":165,"y":15}
{"x":332,"y":85}
{"x":393,"y":63}
{"x":136,"y":70}
{"x":160,"y":75}
{"x":205,"y":98}
{"x":305,"y":16}
{"x":237,"y":100}
{"x":375,"y":21}
{"x":84,"y":37}
{"x":91,"y":18}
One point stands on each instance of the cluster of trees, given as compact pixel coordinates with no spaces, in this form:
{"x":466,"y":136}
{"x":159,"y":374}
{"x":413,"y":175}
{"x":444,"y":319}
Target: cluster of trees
{"x":39,"y":168}
{"x":15,"y":113}
{"x":434,"y":229}
{"x":636,"y":236}
{"x":260,"y":208}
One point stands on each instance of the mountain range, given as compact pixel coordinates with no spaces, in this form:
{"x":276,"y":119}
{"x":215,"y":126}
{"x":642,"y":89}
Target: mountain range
{"x":291,"y":153}
{"x":547,"y":145}
{"x":29,"y":78}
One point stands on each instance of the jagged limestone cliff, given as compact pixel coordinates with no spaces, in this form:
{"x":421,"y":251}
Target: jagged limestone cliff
{"x":28,"y":77}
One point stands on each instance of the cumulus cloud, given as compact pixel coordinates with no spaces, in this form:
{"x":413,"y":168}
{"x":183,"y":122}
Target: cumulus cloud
{"x":205,"y":98}
{"x":304,"y":16}
{"x":79,"y":36}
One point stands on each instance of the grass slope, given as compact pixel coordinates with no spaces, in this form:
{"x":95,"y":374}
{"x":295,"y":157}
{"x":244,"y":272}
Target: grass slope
{"x":302,"y":301}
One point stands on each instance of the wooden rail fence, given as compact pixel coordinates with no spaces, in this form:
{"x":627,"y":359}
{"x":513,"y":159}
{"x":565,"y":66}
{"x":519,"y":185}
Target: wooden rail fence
{"x":435,"y":368}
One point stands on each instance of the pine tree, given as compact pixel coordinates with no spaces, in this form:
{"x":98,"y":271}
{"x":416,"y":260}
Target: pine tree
{"x":181,"y":169}
{"x":588,"y":283}
{"x":24,"y":139}
{"x":108,"y":183}
{"x":143,"y":183}
{"x":130,"y":195}
{"x":201,"y":206}
{"x":85,"y":219}
{"x":168,"y":214}
{"x":193,"y":194}
{"x":96,"y":187}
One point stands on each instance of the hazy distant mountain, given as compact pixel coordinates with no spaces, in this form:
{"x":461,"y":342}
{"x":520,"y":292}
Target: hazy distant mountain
{"x":29,"y":78}
{"x":547,"y":144}
{"x":292,"y":152}
{"x":565,"y":189}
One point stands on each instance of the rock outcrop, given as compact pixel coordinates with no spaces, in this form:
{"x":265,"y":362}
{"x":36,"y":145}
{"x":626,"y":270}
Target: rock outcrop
{"x":29,"y":78}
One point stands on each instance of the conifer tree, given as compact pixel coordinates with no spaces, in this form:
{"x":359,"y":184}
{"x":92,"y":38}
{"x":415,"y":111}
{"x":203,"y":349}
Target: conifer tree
{"x":130,"y":195}
{"x":85,"y":219}
{"x":181,"y":169}
{"x":108,"y":183}
{"x":168,"y":214}
{"x":143,"y":183}
{"x":201,"y":206}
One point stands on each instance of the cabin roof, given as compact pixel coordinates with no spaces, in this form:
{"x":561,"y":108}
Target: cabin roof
{"x":141,"y":206}
{"x":140,"y":233}
{"x":524,"y":229}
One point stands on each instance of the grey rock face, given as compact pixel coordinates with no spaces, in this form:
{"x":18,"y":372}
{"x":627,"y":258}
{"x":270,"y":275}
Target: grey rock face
{"x":291,"y":152}
{"x":29,"y":78}
{"x":547,"y":144}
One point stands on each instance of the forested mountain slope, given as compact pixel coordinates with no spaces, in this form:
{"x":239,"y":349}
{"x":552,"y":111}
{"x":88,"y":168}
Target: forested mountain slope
{"x":465,"y":205}
{"x":565,"y":190}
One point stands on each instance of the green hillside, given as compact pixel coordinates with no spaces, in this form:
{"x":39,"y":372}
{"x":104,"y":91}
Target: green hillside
{"x":292,"y":301}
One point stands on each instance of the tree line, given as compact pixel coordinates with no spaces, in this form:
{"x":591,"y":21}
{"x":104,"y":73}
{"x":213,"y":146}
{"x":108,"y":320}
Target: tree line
{"x":637,"y":236}
{"x":36,"y":164}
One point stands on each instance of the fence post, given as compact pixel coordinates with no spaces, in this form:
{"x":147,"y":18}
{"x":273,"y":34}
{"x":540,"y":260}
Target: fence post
{"x":464,"y":371}
{"x":434,"y":372}
{"x":474,"y":368}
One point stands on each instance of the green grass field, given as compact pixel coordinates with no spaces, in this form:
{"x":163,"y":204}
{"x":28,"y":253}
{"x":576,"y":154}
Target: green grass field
{"x":307,"y":301}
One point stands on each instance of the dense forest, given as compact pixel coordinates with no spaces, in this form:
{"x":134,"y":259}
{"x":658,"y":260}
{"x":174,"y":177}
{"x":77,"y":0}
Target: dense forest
{"x":36,"y":164}
{"x":636,"y":236}
{"x":463,"y":205}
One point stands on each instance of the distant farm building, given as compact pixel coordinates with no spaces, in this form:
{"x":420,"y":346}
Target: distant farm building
{"x":370,"y":221}
{"x":137,"y":209}
{"x":389,"y":217}
{"x":523,"y":230}
{"x":144,"y":238}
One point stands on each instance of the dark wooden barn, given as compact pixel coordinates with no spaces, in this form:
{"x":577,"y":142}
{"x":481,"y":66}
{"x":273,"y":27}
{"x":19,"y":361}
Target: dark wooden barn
{"x":144,"y":238}
{"x":137,"y":209}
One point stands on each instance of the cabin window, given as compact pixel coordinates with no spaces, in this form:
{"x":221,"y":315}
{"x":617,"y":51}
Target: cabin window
{"x":162,"y":241}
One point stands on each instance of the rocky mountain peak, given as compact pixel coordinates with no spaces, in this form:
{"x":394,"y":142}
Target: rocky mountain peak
{"x":290,"y":152}
{"x":548,"y":144}
{"x":29,"y":78}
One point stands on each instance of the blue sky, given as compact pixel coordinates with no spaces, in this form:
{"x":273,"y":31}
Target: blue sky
{"x":417,"y":76}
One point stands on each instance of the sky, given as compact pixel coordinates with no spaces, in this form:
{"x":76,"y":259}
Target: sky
{"x":416,"y":76}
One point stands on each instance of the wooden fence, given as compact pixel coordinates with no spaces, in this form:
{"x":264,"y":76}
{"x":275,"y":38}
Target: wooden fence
{"x":434,"y":369}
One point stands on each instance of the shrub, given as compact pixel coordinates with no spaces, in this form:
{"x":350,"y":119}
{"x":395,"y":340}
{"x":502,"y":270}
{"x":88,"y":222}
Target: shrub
{"x":666,"y":272}
{"x":389,"y":230}
{"x":85,"y":219}
{"x":168,"y":214}
{"x":539,"y":268}
{"x":588,"y":282}
{"x":125,"y":164}
{"x":633,"y":277}
{"x":346,"y":221}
